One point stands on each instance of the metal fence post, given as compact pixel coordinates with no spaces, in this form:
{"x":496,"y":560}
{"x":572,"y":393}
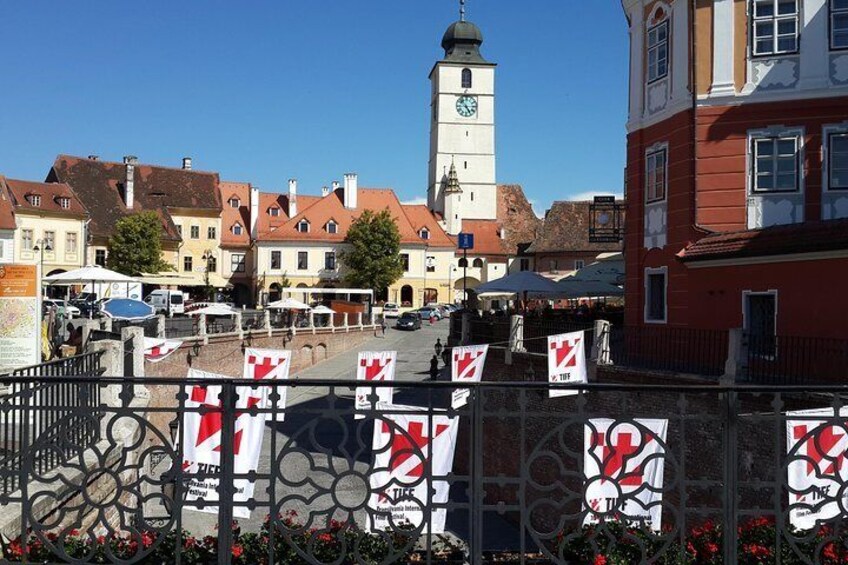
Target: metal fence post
{"x":601,"y":345}
{"x":731,"y":476}
{"x":477,"y":491}
{"x":466,"y":328}
{"x":226,"y":487}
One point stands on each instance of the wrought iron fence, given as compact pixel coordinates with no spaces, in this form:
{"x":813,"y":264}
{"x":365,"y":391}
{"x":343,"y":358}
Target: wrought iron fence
{"x":150,"y":327}
{"x":679,"y":350}
{"x":794,"y":360}
{"x":41,"y":419}
{"x":633,"y":474}
{"x":253,"y":321}
{"x":489,"y":330}
{"x":180,"y":327}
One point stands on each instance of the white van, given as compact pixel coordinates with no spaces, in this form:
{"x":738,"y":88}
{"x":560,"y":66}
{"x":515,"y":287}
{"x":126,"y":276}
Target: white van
{"x":167,"y":301}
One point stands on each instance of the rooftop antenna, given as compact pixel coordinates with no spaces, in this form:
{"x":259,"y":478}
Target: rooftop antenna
{"x":462,"y":10}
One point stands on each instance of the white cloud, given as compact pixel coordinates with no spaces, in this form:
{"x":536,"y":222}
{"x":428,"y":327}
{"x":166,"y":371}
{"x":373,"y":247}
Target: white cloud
{"x":590,"y":194}
{"x":415,"y":202}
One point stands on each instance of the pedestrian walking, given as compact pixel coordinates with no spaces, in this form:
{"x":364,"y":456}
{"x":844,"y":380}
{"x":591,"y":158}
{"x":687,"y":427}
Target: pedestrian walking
{"x":434,"y":368}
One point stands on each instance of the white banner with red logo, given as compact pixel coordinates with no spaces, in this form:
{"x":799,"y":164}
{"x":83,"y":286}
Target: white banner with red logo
{"x":566,"y":362}
{"x":374,"y":366}
{"x":412,"y":453}
{"x":156,"y":350}
{"x":817,"y":447}
{"x":624,"y":468}
{"x":466,"y":367}
{"x":202,"y":436}
{"x":268,"y":364}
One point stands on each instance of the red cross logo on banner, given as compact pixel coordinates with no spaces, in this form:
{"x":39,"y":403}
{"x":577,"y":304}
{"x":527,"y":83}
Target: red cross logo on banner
{"x":465,"y":360}
{"x":565,"y":352}
{"x":819,"y":445}
{"x":262,"y":367}
{"x":211,"y":423}
{"x":407,"y":445}
{"x":375,"y":370}
{"x":615,"y":457}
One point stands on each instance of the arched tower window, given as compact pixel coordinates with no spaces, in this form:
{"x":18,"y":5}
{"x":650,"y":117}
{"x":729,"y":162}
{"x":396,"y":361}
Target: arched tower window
{"x":466,"y":78}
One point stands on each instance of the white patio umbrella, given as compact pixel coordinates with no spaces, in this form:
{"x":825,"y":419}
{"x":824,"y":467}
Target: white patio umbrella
{"x":213,"y":310}
{"x":288,"y":304}
{"x":323,"y":310}
{"x":88,"y":274}
{"x":521,"y":283}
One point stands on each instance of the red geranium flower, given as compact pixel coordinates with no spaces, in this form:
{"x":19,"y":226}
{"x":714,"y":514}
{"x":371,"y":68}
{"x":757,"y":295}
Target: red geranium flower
{"x":600,"y":560}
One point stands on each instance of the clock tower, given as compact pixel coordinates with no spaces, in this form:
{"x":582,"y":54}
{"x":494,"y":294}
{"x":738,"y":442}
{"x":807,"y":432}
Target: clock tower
{"x":462,"y":125}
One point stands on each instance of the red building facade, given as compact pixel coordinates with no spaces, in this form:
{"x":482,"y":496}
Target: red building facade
{"x":737,"y":166}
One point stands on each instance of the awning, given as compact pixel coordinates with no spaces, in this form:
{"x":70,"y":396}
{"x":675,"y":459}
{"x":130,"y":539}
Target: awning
{"x":171,"y":279}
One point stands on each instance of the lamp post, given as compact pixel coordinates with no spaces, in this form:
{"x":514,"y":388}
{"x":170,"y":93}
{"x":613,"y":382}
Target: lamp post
{"x":41,"y":246}
{"x":207,"y":258}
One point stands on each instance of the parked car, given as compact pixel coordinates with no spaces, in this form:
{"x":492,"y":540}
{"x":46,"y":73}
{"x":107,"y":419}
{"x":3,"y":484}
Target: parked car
{"x":409,"y":321}
{"x":65,"y":310}
{"x":391,"y":310}
{"x":428,"y":312}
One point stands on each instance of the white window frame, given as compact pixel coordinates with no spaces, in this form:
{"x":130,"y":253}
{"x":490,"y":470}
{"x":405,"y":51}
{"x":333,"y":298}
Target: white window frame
{"x":654,"y":73}
{"x":192,"y":230}
{"x":828,"y":132}
{"x":646,"y":307}
{"x":304,"y":254}
{"x":237,"y":263}
{"x":237,"y":229}
{"x":277,"y":253}
{"x":71,"y":248}
{"x":424,"y":234}
{"x":64,"y":202}
{"x":332,"y":227}
{"x":34,"y":200}
{"x":274,"y":212}
{"x":301,"y":223}
{"x":834,"y":13}
{"x":49,"y":237}
{"x":774,"y":20}
{"x":27,"y":240}
{"x":234,"y":202}
{"x":469,"y":75}
{"x":775,"y":133}
{"x":211,"y":232}
{"x":651,"y":155}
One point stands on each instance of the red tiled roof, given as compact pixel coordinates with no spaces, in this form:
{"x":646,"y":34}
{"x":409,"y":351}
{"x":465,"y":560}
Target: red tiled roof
{"x":487,"y":239}
{"x":7,"y":214}
{"x":516,"y":216}
{"x":331,"y":207}
{"x":99,"y":185}
{"x":808,"y":237}
{"x":50,"y":193}
{"x":419,"y":217}
{"x":566,"y":229}
{"x":230,"y":215}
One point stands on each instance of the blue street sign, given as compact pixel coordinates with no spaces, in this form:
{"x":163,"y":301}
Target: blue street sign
{"x":466,"y":241}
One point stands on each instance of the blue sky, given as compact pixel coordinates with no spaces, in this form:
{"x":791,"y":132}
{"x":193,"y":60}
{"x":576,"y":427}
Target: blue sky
{"x":263,"y":91}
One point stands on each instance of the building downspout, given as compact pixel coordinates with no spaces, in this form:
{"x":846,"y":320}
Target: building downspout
{"x":694,"y":80}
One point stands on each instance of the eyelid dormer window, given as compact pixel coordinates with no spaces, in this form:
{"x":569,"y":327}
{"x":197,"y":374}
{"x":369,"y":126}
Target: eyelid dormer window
{"x":332,"y":227}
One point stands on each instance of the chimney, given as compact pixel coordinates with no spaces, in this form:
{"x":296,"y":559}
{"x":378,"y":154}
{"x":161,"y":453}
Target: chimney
{"x":351,"y":188}
{"x":186,"y":163}
{"x":325,"y":191}
{"x":254,"y":213}
{"x":502,"y":233}
{"x":129,"y":184}
{"x":335,"y":185}
{"x":292,"y":198}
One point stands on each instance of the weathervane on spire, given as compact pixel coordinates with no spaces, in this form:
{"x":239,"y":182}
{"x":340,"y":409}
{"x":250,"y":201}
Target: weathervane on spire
{"x":462,"y":10}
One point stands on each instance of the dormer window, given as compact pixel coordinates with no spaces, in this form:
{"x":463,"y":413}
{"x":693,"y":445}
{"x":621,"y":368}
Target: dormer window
{"x":273,"y":211}
{"x":34,"y":200}
{"x":332,"y":227}
{"x":235,"y":202}
{"x":237,"y":229}
{"x":424,"y":233}
{"x":303,"y":226}
{"x":64,"y":202}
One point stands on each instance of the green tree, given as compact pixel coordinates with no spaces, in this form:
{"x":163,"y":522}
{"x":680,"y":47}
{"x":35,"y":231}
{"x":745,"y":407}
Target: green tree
{"x":372,"y":260}
{"x":136,"y":245}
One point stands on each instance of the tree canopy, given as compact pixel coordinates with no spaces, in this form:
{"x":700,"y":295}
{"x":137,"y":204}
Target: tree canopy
{"x":372,"y":259}
{"x":136,"y":245}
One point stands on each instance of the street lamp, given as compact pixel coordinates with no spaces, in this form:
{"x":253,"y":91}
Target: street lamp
{"x":207,"y":258}
{"x":47,"y":247}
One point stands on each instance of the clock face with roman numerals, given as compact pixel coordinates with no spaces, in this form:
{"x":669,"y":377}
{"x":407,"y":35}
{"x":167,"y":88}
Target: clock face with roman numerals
{"x":466,"y":106}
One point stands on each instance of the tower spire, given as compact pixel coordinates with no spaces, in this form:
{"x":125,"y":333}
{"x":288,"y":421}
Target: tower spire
{"x":462,"y":10}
